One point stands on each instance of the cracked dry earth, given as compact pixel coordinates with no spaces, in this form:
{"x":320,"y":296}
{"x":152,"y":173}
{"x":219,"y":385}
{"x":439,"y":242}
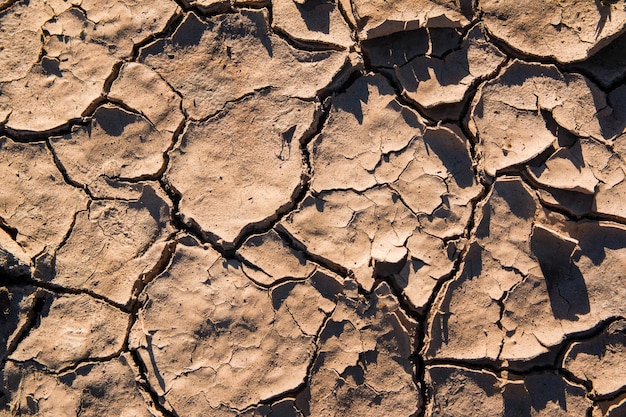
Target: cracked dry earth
{"x":313,"y":208}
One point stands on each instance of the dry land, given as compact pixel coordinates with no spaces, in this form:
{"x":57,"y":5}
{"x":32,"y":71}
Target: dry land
{"x":291,"y":208}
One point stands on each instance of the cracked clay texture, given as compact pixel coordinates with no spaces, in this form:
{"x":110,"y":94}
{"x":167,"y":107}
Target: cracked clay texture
{"x":325,"y":208}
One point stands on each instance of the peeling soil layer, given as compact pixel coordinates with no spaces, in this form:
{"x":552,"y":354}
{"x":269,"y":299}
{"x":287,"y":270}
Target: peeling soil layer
{"x":291,"y":208}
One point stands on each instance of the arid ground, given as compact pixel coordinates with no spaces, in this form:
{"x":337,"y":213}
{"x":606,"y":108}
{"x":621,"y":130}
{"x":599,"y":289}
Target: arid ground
{"x":290,"y":208}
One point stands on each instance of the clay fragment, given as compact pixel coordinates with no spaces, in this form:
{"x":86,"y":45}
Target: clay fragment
{"x":115,"y":245}
{"x":243,"y":166}
{"x":71,"y":330}
{"x":313,"y":21}
{"x":567,"y":32}
{"x":431,"y":81}
{"x":511,"y":114}
{"x":238,"y":55}
{"x":35,"y":201}
{"x":363,"y":366}
{"x":599,"y":360}
{"x":458,"y":391}
{"x":117,"y":145}
{"x":225,"y":342}
{"x":81,"y":45}
{"x":101,"y":388}
{"x":523,"y":294}
{"x":272,"y":260}
{"x":380,"y":18}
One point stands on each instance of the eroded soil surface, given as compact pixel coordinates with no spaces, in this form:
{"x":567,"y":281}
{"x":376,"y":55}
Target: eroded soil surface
{"x":290,"y":208}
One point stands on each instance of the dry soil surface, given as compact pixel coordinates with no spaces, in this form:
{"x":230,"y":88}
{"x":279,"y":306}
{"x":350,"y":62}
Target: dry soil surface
{"x":290,"y":208}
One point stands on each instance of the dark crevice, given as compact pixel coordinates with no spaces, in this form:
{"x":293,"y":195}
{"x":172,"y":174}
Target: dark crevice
{"x":144,"y":385}
{"x":305,"y":45}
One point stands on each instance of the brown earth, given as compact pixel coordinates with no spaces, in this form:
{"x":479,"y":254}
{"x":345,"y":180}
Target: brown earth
{"x":313,"y":208}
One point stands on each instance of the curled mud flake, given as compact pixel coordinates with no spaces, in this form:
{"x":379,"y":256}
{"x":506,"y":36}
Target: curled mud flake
{"x":369,"y":111}
{"x":363,"y":366}
{"x":35,"y":201}
{"x":115,"y":245}
{"x":354,"y":231}
{"x":273,"y":260}
{"x":379,"y":18}
{"x":226,"y":342}
{"x":241,"y":168}
{"x":143,"y":90}
{"x":209,"y":6}
{"x":566,"y":32}
{"x":117,"y":145}
{"x":514,"y":115}
{"x":431,"y":81}
{"x":313,"y":21}
{"x":73,"y":329}
{"x":598,"y":360}
{"x":102,"y":388}
{"x":81,"y":46}
{"x":233,"y":55}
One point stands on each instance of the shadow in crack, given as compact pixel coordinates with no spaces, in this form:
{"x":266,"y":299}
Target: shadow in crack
{"x":316,"y":14}
{"x":567,"y":289}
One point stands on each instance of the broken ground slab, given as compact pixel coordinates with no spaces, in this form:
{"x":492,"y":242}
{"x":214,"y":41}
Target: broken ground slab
{"x":513,"y":116}
{"x":71,"y":329}
{"x":242,"y":167}
{"x":599,"y":360}
{"x":457,"y":391}
{"x":119,"y":146}
{"x":227,"y":57}
{"x":420,"y":180}
{"x":354,"y":231}
{"x":587,"y":167}
{"x":363,"y":366}
{"x":432,"y":81}
{"x":36,"y":204}
{"x":116,"y":145}
{"x":94,"y":388}
{"x":213,"y":340}
{"x":318,"y":22}
{"x":527,"y":282}
{"x":269,"y":259}
{"x":115,"y":246}
{"x":565,"y":31}
{"x":380,"y":18}
{"x":81,"y":46}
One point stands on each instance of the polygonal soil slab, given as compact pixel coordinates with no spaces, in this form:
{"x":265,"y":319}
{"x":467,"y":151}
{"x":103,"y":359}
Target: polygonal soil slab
{"x":528,"y":281}
{"x":212,"y":339}
{"x":457,"y":391}
{"x":81,"y":45}
{"x":565,"y":31}
{"x":116,"y":245}
{"x":73,"y":329}
{"x":96,"y":388}
{"x":242,"y":167}
{"x":230,"y":56}
{"x":35,"y":201}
